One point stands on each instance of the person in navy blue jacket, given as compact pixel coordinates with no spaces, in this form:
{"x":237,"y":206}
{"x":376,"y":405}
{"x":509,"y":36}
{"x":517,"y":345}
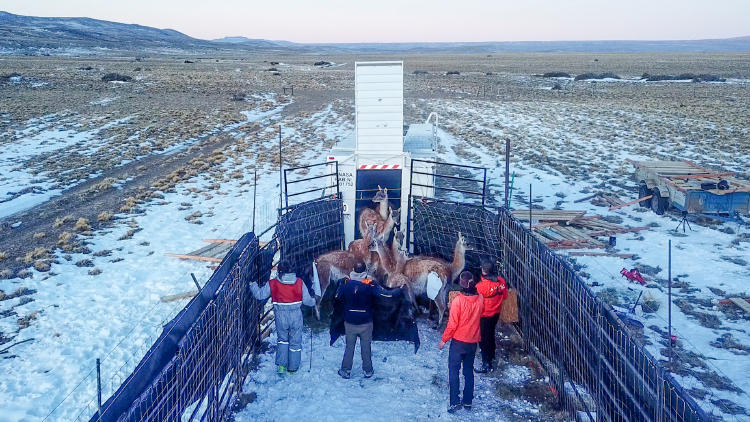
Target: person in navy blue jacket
{"x":358,"y":295}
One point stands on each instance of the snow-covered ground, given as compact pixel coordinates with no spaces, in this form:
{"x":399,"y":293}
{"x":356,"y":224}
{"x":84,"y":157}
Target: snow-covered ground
{"x":116,"y":315}
{"x":405,"y":387}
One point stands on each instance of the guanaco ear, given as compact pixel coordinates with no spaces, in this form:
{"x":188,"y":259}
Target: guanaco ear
{"x":379,"y":188}
{"x":385,"y":190}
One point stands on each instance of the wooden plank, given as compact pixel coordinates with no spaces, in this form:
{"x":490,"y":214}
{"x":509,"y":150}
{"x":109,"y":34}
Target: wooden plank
{"x":615,"y":255}
{"x":741,"y":303}
{"x":179,"y":296}
{"x":729,"y":302}
{"x":701,"y":176}
{"x":618,"y":231}
{"x":194,"y":257}
{"x":220,"y":241}
{"x":617,"y":207}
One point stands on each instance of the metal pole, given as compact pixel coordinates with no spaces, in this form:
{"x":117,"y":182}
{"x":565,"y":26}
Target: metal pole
{"x":255,"y":188}
{"x":195,"y":281}
{"x":507,"y":171}
{"x":529,"y":206}
{"x":669,"y":284}
{"x":99,"y":385}
{"x":281,"y":204}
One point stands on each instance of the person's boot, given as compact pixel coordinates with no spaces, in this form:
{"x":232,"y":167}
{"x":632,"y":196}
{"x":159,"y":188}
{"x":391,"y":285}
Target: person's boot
{"x":281,"y":370}
{"x":485,"y":368}
{"x":369,"y":374}
{"x":344,"y":374}
{"x":467,"y":407}
{"x":454,"y":408}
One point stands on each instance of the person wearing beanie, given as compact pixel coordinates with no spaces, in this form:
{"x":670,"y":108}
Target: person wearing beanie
{"x":492,"y":287}
{"x":463,"y":333}
{"x":288,"y":292}
{"x":358,"y":296}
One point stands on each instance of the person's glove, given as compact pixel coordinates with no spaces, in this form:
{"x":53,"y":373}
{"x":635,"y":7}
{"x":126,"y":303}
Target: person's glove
{"x":441,"y":345}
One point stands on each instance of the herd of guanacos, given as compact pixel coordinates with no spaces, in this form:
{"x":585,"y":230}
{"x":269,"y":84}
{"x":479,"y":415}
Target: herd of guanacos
{"x":390,"y":263}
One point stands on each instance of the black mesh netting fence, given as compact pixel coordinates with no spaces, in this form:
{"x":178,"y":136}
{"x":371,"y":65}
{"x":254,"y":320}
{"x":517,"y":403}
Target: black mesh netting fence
{"x":599,"y":370}
{"x":310,"y":229}
{"x":196,"y":368}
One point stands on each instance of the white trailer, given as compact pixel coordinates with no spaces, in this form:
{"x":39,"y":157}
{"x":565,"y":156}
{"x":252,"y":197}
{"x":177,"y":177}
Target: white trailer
{"x":380,"y":152}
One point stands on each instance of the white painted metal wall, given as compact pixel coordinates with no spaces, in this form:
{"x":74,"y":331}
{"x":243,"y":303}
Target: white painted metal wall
{"x":379,"y":106}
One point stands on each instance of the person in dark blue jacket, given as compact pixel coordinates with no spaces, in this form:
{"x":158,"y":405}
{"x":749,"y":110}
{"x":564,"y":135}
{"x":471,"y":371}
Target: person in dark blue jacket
{"x":358,"y":295}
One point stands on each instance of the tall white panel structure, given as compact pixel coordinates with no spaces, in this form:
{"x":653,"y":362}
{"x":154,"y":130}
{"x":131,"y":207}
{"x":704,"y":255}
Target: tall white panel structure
{"x":379,"y":106}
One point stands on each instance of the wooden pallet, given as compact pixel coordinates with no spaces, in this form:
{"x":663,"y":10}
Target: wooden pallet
{"x":564,"y":216}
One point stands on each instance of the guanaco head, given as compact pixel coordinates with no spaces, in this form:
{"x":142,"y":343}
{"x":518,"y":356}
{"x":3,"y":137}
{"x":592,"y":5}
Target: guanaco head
{"x":395,"y":214}
{"x":398,"y":236}
{"x":381,"y":195}
{"x":463,"y":244}
{"x":376,"y":243}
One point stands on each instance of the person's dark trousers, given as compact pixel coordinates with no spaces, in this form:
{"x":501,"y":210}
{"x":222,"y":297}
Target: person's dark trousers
{"x":364,"y":333}
{"x":459,"y":354}
{"x":487,"y":343}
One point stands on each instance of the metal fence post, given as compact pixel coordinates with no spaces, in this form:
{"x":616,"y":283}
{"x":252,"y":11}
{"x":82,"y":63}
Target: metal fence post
{"x":99,"y":385}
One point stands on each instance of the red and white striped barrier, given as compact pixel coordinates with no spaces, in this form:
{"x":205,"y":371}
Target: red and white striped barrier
{"x":379,"y":166}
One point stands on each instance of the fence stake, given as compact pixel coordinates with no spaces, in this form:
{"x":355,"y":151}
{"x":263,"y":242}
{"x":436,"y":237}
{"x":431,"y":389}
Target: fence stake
{"x":196,"y":282}
{"x":669,"y":284}
{"x":281,"y":204}
{"x":529,"y":207}
{"x":99,"y":385}
{"x":507,"y":171}
{"x":255,"y":188}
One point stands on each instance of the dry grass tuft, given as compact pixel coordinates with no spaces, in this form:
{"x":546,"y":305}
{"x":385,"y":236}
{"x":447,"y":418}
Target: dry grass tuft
{"x":105,"y":216}
{"x":41,"y":265}
{"x":82,"y":225}
{"x":37,"y":253}
{"x":106,"y":183}
{"x":95,"y":271}
{"x":39,"y":235}
{"x":64,"y":238}
{"x":3,"y":255}
{"x":60,"y":221}
{"x":130,"y":203}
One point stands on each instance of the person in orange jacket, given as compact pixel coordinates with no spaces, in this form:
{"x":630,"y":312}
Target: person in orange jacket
{"x":463,"y":332}
{"x":494,"y":290}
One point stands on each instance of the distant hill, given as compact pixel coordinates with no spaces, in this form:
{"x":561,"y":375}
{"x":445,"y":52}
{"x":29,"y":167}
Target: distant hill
{"x":42,"y":35}
{"x":22,"y":33}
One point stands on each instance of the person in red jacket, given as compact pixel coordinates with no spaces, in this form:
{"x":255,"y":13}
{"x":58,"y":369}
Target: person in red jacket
{"x":492,"y":287}
{"x":463,"y":332}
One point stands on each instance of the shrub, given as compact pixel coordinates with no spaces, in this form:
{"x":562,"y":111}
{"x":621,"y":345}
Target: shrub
{"x":105,"y":216}
{"x":39,"y":235}
{"x":112,"y":77}
{"x":420,"y":72}
{"x":64,"y":238}
{"x":41,"y":265}
{"x":589,"y":76}
{"x":556,"y":75}
{"x":3,"y":255}
{"x":453,"y":72}
{"x":82,"y":225}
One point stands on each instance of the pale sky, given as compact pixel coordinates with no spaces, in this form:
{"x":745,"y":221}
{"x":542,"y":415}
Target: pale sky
{"x":405,"y":20}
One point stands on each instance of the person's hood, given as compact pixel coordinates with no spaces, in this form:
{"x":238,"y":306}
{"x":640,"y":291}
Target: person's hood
{"x":288,"y":278}
{"x":357,"y":276}
{"x":469,"y":291}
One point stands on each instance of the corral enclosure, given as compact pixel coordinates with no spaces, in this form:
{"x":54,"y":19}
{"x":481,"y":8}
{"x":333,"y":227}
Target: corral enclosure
{"x":568,"y":142}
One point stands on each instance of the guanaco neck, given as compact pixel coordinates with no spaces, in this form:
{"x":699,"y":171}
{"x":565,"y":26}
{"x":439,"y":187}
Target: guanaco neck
{"x":383,"y":208}
{"x":459,"y":259}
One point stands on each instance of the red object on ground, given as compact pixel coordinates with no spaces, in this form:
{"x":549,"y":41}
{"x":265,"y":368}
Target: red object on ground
{"x":633,"y":276}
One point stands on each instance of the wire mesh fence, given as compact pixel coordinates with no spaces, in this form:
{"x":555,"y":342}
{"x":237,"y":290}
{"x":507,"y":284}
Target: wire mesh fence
{"x":599,"y":371}
{"x":195,"y":369}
